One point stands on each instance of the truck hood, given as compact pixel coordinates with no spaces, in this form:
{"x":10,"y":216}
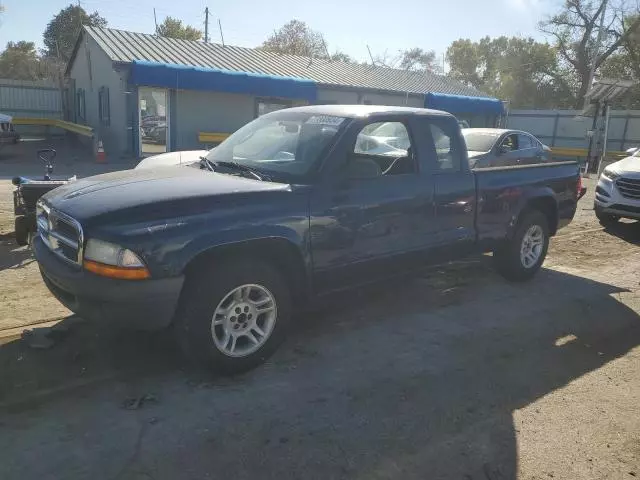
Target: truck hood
{"x":172,"y":158}
{"x":158,"y":187}
{"x":627,"y":166}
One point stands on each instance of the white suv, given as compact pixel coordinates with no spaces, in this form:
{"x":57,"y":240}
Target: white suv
{"x":618,"y":191}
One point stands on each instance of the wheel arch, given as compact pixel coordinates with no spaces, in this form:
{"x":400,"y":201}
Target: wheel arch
{"x":544,"y":201}
{"x":280,"y":252}
{"x":548,"y":206}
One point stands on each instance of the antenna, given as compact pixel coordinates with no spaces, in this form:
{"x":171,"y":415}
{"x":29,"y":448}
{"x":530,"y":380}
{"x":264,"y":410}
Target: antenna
{"x":206,"y":25}
{"x":371,"y":56}
{"x":155,"y":19}
{"x":221,"y":35}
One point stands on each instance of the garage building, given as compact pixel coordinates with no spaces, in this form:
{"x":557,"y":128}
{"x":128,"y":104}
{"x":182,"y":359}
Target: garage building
{"x":146,"y":94}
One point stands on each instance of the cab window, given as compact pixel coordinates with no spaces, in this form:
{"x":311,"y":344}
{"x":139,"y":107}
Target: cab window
{"x":382,"y":148}
{"x":448,"y":151}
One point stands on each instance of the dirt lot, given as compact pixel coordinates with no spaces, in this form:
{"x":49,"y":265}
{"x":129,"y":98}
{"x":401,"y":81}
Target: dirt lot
{"x":454,"y":374}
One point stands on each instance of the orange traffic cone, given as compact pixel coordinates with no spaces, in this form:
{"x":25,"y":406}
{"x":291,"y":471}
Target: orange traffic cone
{"x":101,"y":157}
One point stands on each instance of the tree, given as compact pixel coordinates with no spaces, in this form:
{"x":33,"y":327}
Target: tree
{"x":20,"y":61}
{"x":625,"y":64}
{"x":62,"y":31}
{"x":520,"y":70}
{"x":173,"y":28}
{"x":575,"y":31}
{"x":341,"y":57}
{"x":296,"y":38}
{"x":417,"y":59}
{"x":412,"y":59}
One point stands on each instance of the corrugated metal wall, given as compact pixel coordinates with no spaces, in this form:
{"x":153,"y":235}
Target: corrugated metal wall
{"x":562,"y":128}
{"x":21,"y":98}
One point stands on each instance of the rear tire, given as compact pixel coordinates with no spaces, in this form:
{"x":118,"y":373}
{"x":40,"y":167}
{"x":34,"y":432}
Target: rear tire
{"x":520,"y":258}
{"x":255,"y":302}
{"x":606,"y":219}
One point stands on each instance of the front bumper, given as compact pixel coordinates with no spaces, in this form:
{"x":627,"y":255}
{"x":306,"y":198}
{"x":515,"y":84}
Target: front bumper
{"x":609,"y":200}
{"x":137,"y":304}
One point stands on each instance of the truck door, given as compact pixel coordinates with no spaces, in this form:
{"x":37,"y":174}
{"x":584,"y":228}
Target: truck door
{"x":373,"y":208}
{"x":455,"y":190}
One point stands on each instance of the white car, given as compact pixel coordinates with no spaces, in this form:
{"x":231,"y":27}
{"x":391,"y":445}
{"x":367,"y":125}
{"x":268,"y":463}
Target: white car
{"x":172,"y":158}
{"x":618,"y":191}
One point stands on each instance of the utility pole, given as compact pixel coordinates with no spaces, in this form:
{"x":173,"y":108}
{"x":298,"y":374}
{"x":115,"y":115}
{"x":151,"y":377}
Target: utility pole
{"x":597,"y":52}
{"x":589,"y":165}
{"x":206,"y":25}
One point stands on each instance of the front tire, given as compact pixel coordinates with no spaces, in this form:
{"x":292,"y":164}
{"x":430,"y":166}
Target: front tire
{"x":233,"y":315}
{"x":520,"y":258}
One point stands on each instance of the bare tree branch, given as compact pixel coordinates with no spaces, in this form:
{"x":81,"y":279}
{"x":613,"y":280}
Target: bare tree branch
{"x":615,"y":45}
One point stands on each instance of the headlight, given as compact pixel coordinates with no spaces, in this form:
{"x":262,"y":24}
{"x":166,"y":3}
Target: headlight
{"x":110,"y":260}
{"x":610,"y":174}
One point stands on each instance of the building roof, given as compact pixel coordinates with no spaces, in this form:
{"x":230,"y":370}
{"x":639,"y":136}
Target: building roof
{"x":125,"y":47}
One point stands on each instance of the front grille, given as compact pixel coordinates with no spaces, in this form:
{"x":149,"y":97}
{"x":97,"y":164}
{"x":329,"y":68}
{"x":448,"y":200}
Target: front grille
{"x":629,"y":187}
{"x":61,"y":233}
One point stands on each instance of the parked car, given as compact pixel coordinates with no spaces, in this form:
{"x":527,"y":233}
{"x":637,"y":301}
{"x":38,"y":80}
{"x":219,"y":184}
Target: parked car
{"x":226,"y":248}
{"x":496,"y":147}
{"x":618,"y":191}
{"x":8,"y":133}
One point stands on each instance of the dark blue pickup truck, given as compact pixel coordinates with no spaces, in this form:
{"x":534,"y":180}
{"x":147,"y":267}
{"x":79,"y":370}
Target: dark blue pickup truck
{"x":295,"y":205}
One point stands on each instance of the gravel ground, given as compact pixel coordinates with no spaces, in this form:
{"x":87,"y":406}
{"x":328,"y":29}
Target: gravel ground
{"x":454,"y":374}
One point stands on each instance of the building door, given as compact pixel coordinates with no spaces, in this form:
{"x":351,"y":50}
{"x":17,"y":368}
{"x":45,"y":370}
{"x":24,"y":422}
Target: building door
{"x":153,"y":108}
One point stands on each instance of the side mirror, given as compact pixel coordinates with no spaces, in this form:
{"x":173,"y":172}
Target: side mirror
{"x":503,"y":150}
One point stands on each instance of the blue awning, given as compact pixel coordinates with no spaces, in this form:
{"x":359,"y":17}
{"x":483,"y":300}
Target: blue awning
{"x":461,"y":104}
{"x":197,"y":78}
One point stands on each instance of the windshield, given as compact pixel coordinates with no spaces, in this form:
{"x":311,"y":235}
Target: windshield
{"x":285,"y":143}
{"x":479,"y":141}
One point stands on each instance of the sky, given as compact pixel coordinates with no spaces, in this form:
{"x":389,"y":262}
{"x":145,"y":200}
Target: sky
{"x":348,"y":25}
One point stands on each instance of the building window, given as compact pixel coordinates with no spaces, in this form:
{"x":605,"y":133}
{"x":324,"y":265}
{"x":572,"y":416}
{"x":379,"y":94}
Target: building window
{"x":104,"y":111}
{"x":268,"y":105}
{"x":80,"y":106}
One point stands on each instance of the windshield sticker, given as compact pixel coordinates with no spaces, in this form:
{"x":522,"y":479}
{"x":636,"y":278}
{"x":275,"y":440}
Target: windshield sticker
{"x":325,"y":120}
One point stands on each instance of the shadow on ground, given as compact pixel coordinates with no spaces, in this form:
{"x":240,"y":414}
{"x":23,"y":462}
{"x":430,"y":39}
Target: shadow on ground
{"x":398,"y":381}
{"x":11,"y":254}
